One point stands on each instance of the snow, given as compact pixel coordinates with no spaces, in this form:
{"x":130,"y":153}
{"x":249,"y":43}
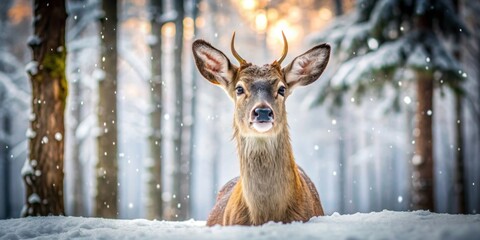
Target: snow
{"x":377,"y":225}
{"x":99,"y":75}
{"x":32,"y":68}
{"x":34,"y":40}
{"x":58,"y":136}
{"x":27,"y":168}
{"x":34,"y":198}
{"x":151,"y":40}
{"x":30,"y":133}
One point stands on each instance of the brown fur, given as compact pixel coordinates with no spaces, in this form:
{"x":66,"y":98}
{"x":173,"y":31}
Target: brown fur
{"x":271,"y":186}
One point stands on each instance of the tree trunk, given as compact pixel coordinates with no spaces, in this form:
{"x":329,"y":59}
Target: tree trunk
{"x":459,"y":158}
{"x":341,"y":160}
{"x":5,"y":118}
{"x":5,"y":6}
{"x":422,"y":161}
{"x":181,"y":178}
{"x":43,"y":171}
{"x":193,"y":114}
{"x":107,"y":166}
{"x":78,"y":194}
{"x":76,"y":114}
{"x":341,"y":139}
{"x":338,"y":7}
{"x":216,"y":141}
{"x":5,"y":157}
{"x":459,"y":186}
{"x":155,"y":183}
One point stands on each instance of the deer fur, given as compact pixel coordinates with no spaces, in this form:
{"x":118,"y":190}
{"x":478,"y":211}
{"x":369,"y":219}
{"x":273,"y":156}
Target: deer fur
{"x":271,"y":186}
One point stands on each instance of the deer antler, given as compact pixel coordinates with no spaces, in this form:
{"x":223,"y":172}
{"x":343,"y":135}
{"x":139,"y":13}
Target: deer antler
{"x":235,"y":54}
{"x":285,"y":50}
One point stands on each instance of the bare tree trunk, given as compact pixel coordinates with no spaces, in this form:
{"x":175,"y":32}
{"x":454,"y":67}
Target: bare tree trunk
{"x":155,"y":182}
{"x":5,"y":118}
{"x":43,"y":171}
{"x":5,"y":156}
{"x":216,"y":141}
{"x":410,"y":124}
{"x":5,"y":6}
{"x":193,"y":114}
{"x":338,"y":7}
{"x":341,"y":161}
{"x":78,"y":180}
{"x":76,"y":114}
{"x":107,"y":166}
{"x":422,"y":161}
{"x":341,"y":138}
{"x":460,"y":154}
{"x":460,"y":192}
{"x":181,"y":176}
{"x":477,"y":205}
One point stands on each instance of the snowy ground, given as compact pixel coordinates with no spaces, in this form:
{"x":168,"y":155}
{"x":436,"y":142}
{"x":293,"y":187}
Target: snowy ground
{"x":381,"y":225}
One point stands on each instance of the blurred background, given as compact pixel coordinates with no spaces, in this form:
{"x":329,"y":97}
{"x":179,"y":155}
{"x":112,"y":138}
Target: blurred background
{"x":353,"y":131}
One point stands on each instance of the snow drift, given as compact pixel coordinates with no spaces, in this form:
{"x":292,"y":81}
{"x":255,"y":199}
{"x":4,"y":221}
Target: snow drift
{"x":378,"y":225}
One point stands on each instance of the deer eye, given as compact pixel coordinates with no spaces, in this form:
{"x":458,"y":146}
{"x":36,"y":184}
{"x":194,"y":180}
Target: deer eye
{"x":281,"y":91}
{"x":239,"y":90}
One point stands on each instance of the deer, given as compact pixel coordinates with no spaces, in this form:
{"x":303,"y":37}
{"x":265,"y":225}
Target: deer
{"x":271,"y":186}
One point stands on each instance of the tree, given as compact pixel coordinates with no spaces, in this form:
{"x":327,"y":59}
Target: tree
{"x":107,"y":166}
{"x":193,"y":107}
{"x":77,"y":26}
{"x":216,"y":131}
{"x":43,"y":171}
{"x":338,"y":7}
{"x":342,"y":163}
{"x":471,"y":58}
{"x":4,"y":121}
{"x":459,"y":185}
{"x":381,"y":43}
{"x":155,"y":182}
{"x":181,"y":172}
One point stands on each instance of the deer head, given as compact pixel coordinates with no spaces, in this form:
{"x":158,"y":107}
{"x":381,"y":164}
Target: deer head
{"x":259,"y":92}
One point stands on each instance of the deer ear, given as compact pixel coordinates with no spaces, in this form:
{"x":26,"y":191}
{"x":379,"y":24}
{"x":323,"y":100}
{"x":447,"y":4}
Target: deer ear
{"x":308,"y":67}
{"x":213,"y":64}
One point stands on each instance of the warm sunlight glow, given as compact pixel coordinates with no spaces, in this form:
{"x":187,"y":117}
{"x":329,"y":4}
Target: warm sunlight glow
{"x":261,"y":21}
{"x":135,"y":23}
{"x":325,"y":13}
{"x":18,"y":12}
{"x":272,"y":14}
{"x":295,"y":14}
{"x":188,"y":28}
{"x":249,"y":4}
{"x":200,"y":22}
{"x":168,"y":29}
{"x":275,"y":39}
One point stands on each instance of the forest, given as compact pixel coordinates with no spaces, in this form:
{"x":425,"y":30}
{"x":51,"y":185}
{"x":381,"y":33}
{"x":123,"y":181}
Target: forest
{"x":103,"y":112}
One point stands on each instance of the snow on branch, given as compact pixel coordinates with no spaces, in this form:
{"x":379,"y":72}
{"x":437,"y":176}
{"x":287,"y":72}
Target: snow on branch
{"x":134,"y":62}
{"x":82,"y":43}
{"x":418,"y":51}
{"x":169,"y":16}
{"x":13,"y":92}
{"x":85,"y":127}
{"x":89,"y":17}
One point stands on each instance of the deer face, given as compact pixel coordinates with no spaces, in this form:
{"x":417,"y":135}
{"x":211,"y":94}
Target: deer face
{"x":259,"y":92}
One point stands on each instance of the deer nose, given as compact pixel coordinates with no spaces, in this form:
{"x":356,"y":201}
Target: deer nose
{"x":263,"y":115}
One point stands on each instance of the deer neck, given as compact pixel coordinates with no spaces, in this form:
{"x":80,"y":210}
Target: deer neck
{"x":268,"y":175}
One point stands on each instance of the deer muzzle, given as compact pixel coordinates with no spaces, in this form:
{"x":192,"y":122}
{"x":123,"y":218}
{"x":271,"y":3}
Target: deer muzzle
{"x":262,"y":119}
